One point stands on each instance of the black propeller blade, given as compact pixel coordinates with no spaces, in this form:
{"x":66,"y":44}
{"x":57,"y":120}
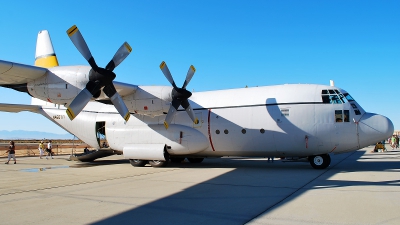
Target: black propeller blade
{"x":98,"y":77}
{"x":179,"y":95}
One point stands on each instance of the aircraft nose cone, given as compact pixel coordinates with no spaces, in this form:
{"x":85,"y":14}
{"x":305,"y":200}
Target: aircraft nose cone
{"x":373,"y":128}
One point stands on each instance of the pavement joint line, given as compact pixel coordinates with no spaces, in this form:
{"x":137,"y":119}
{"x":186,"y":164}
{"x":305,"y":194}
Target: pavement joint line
{"x":300,"y":188}
{"x":225,"y":184}
{"x":89,"y":182}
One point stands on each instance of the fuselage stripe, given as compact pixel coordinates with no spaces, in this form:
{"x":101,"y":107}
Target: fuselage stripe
{"x":209,"y":130}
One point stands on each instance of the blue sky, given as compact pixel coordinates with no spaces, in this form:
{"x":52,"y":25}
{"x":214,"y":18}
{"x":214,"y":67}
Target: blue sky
{"x":231,"y":43}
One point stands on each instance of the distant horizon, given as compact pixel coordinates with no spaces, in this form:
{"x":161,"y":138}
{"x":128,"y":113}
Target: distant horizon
{"x":30,"y":135}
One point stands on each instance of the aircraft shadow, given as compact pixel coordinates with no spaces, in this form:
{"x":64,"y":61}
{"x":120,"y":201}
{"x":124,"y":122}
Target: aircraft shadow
{"x":103,"y":162}
{"x":252,"y":188}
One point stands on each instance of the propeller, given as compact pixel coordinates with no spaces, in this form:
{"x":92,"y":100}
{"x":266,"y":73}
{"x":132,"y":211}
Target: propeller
{"x":98,"y":77}
{"x":179,"y":95}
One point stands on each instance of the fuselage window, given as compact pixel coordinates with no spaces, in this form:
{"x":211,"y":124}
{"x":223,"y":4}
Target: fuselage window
{"x":346,"y":114}
{"x":342,"y":116}
{"x":338,"y":116}
{"x":354,"y":106}
{"x":357,"y":112}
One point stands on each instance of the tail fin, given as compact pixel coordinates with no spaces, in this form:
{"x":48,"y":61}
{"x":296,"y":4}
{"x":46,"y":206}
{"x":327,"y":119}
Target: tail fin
{"x":45,"y":56}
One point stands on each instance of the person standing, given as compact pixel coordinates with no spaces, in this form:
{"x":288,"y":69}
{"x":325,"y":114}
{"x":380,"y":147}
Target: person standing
{"x":41,"y":149}
{"x":49,"y":150}
{"x":393,"y":142}
{"x":11,"y":152}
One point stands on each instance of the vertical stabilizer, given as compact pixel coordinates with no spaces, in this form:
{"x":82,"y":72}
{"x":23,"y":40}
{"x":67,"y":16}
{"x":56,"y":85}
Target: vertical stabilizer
{"x":45,"y":55}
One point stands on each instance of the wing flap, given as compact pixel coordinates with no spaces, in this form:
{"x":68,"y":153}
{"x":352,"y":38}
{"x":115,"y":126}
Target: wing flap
{"x":15,"y":73}
{"x":19,"y":108}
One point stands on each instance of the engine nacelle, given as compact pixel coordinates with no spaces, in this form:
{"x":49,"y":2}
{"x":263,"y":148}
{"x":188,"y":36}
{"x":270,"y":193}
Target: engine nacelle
{"x":60,"y":85}
{"x":149,"y":100}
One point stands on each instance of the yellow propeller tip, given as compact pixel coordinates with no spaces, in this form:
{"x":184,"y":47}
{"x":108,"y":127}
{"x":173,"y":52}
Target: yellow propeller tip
{"x":162,"y":65}
{"x":71,"y":31}
{"x":166,"y":125}
{"x":127,"y":116}
{"x":70,"y":114}
{"x":128,"y":47}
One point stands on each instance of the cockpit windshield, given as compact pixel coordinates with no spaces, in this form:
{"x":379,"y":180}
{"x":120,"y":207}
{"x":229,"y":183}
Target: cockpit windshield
{"x":348,"y":97}
{"x":333,"y":96}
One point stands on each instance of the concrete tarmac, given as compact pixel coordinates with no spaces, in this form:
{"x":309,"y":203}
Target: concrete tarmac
{"x":358,"y":188}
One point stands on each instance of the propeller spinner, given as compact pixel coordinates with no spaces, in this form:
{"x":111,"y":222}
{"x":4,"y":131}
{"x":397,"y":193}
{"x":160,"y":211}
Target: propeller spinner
{"x":98,"y":77}
{"x":179,"y":95}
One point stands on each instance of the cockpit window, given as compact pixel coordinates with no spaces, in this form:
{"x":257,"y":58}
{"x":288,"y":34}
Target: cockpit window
{"x":332,"y":97}
{"x":348,"y":97}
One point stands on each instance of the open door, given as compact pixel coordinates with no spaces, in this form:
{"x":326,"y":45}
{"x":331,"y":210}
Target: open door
{"x":101,"y":134}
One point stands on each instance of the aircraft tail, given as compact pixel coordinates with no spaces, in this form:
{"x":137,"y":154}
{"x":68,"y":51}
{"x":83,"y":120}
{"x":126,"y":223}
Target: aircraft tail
{"x":45,"y":55}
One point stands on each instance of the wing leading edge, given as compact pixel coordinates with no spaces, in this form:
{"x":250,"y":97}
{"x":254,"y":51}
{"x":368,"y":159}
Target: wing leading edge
{"x":15,"y":73}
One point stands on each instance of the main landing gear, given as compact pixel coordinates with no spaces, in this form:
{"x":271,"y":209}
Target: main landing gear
{"x":158,"y":163}
{"x":320,"y":161}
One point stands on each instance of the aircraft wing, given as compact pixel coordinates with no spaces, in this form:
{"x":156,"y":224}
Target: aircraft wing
{"x":19,"y":108}
{"x":15,"y":73}
{"x":123,"y":89}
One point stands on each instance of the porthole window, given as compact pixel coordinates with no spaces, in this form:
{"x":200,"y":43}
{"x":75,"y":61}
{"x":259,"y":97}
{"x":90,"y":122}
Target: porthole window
{"x":243,"y":131}
{"x":262,"y":131}
{"x":226,"y":131}
{"x":217,"y":131}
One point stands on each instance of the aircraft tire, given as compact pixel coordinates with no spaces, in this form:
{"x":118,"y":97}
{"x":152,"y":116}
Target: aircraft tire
{"x":177,"y":159}
{"x":195,"y":160}
{"x":138,"y":162}
{"x":320,"y":161}
{"x":158,"y":163}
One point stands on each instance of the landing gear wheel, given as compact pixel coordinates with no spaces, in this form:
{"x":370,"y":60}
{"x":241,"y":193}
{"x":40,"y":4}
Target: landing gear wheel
{"x":138,"y":162}
{"x":158,"y":163}
{"x":195,"y":160}
{"x":320,"y":161}
{"x":177,"y":159}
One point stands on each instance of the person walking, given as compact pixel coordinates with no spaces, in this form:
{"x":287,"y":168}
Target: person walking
{"x":41,"y":149}
{"x":11,"y":152}
{"x":49,"y":150}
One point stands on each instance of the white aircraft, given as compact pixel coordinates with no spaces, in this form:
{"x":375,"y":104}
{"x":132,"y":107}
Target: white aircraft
{"x":156,"y":124}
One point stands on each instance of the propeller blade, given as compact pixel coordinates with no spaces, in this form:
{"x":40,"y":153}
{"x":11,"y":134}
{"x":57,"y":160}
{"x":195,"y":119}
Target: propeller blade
{"x":117,"y":101}
{"x":167,"y":74}
{"x":189,"y":76}
{"x":79,"y":102}
{"x":119,"y":56}
{"x":80,"y":43}
{"x":171,"y":112}
{"x":185,"y":104}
